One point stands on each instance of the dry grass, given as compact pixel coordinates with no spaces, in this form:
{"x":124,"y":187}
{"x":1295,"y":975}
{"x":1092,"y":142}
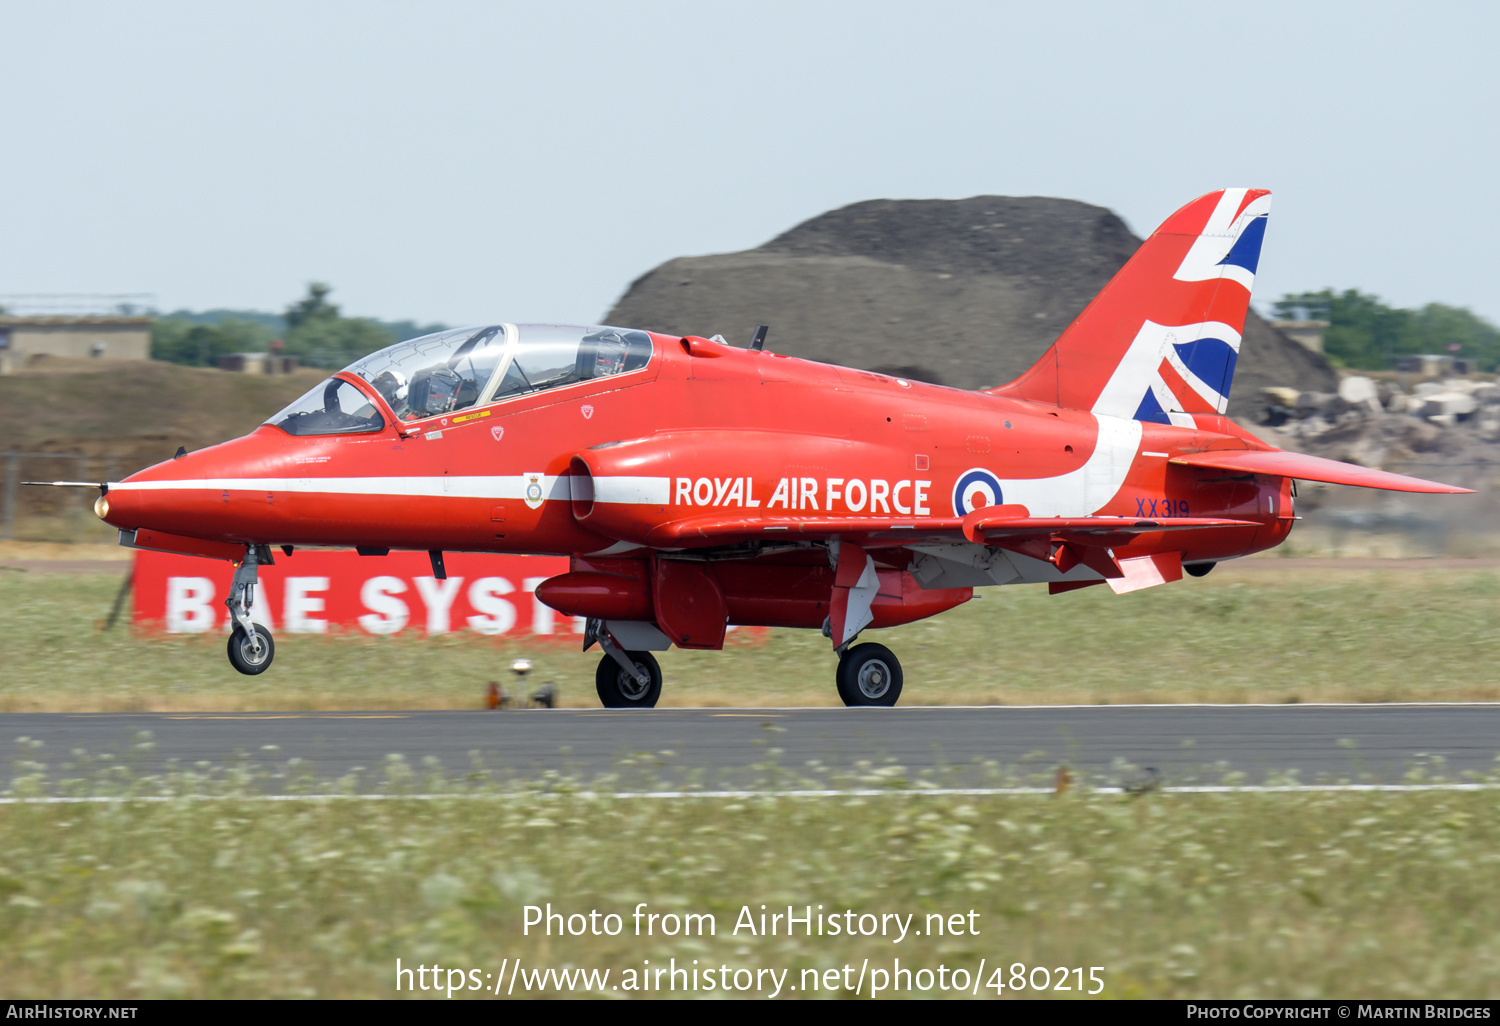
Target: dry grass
{"x":1229,"y":895}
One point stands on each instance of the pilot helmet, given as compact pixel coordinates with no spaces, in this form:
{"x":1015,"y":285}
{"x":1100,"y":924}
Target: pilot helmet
{"x":391,"y":385}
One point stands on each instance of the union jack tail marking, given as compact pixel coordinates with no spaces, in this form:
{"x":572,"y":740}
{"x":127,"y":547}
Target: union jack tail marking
{"x":1161,"y":341}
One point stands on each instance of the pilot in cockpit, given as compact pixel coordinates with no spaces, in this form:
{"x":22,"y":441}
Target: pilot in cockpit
{"x":602,"y":355}
{"x":392,"y":387}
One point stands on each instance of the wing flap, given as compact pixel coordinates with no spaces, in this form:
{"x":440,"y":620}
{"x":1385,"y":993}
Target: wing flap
{"x":1310,"y":468}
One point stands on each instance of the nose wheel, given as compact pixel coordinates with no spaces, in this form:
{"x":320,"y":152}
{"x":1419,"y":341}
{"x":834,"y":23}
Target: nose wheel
{"x":869,"y":674}
{"x":251,"y":653}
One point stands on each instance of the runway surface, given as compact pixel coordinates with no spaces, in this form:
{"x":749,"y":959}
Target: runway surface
{"x":729,"y":747}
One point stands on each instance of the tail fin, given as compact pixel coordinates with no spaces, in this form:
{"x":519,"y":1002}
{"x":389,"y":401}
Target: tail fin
{"x":1160,"y":342}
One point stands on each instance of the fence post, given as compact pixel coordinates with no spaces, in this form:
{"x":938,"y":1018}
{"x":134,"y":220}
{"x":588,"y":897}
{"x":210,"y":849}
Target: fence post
{"x":12,"y":484}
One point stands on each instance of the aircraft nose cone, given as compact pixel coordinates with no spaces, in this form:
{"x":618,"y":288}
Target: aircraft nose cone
{"x":188,"y":495}
{"x":120,"y":508}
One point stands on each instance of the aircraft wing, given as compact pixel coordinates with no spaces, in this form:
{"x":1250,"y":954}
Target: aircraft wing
{"x":722,"y":529}
{"x":1309,"y":468}
{"x":993,"y":522}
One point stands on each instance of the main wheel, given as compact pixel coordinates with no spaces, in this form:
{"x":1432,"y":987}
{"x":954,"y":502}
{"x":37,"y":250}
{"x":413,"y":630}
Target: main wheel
{"x":869,"y":674}
{"x":251,"y":655}
{"x":619,"y":690}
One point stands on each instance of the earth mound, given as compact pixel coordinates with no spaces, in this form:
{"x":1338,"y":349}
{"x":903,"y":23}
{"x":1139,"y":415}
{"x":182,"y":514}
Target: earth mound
{"x":961,"y":292}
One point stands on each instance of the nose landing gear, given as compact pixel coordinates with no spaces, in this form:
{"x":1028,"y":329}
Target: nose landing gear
{"x":250,"y":646}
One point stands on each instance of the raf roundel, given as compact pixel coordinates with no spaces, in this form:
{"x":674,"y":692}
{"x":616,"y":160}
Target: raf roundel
{"x":975,"y":489}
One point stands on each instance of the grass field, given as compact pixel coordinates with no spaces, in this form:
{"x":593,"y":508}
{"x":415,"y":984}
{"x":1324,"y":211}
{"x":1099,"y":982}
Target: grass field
{"x":216,"y":893}
{"x":1244,"y":634}
{"x":1225,"y":895}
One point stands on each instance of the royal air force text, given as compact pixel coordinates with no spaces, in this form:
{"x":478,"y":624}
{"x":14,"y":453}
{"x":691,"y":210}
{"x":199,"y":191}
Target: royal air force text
{"x":852,"y":495}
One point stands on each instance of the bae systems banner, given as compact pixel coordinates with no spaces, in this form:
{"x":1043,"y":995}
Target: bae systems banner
{"x":313,"y":592}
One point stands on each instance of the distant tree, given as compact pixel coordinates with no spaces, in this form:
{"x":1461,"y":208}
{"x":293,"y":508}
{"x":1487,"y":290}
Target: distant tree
{"x":322,"y":337}
{"x":179,"y":340}
{"x":1446,"y":326}
{"x":311,"y":328}
{"x":334,"y":342}
{"x":403,"y":330}
{"x":274,"y":321}
{"x":312,"y":307}
{"x":1365,"y":333}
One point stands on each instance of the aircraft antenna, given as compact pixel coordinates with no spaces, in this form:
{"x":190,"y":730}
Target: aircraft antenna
{"x":759,"y":341}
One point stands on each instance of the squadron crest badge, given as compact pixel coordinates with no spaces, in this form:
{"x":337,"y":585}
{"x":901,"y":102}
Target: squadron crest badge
{"x":534,"y":494}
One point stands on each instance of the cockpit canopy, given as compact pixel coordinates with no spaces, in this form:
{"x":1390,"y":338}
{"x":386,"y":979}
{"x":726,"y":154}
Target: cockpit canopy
{"x":452,"y":370}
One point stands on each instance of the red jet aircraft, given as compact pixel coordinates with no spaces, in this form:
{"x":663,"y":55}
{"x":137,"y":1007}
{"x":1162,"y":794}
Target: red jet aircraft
{"x":696,"y":484}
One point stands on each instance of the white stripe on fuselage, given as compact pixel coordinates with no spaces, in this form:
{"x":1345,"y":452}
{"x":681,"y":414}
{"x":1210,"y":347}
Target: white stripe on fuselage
{"x":1077,"y":493}
{"x":1082,"y":492}
{"x":655,"y":490}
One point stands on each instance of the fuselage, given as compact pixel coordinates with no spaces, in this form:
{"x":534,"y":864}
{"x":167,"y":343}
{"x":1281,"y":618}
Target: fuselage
{"x":701,"y":428}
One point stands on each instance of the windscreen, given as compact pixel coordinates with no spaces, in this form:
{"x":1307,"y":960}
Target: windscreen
{"x":334,"y":407}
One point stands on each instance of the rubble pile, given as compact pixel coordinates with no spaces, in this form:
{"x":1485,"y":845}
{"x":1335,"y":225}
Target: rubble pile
{"x":1451,"y":425}
{"x":968,"y":293}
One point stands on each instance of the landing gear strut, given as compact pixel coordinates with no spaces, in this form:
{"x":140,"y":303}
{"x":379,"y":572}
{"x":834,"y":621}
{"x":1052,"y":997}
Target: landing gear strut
{"x":250,"y":646}
{"x":869,"y":674}
{"x":624,"y":680}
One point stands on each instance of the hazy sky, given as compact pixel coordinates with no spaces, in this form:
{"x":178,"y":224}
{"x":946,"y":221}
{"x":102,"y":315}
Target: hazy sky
{"x":477,"y":161}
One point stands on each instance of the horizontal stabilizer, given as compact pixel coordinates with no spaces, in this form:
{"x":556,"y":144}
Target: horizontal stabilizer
{"x":1310,"y":468}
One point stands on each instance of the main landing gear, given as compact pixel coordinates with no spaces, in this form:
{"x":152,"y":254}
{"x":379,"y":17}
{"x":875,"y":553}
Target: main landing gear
{"x":621,"y":690}
{"x":250,"y":646}
{"x":624,"y":680}
{"x":869,"y":674}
